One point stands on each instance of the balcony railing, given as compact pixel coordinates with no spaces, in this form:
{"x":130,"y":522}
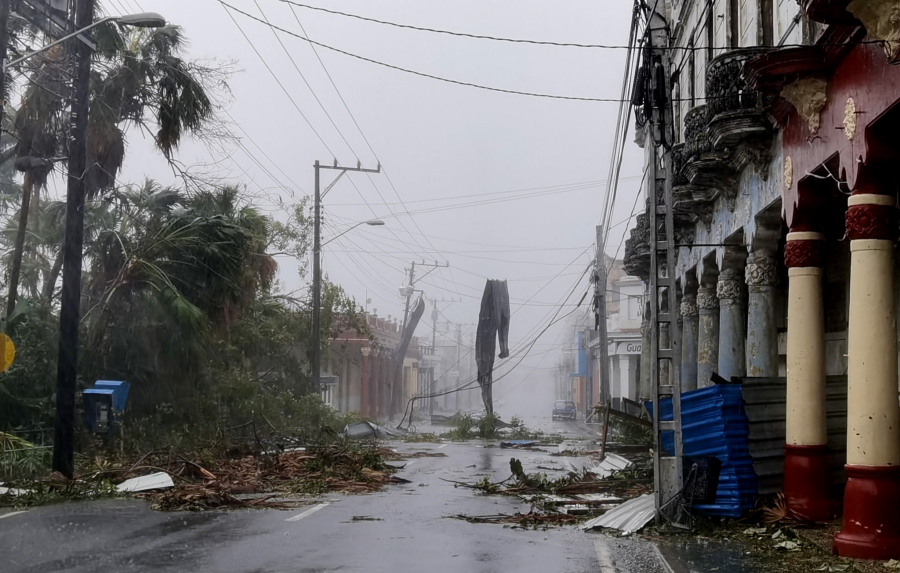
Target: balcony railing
{"x":696,"y":138}
{"x":726,"y":89}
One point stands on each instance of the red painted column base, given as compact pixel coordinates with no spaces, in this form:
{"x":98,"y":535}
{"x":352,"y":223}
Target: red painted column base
{"x":871,"y":526}
{"x":806,"y":482}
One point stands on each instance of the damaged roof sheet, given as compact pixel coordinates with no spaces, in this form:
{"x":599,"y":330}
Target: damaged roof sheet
{"x":629,"y":517}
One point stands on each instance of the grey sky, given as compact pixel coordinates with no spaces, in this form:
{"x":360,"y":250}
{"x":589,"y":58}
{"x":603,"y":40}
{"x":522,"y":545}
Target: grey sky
{"x":435,"y":140}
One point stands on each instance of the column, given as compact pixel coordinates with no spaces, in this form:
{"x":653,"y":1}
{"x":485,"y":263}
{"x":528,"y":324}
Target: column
{"x":806,"y":449}
{"x":707,"y":335}
{"x":730,"y":292}
{"x":689,"y":343}
{"x":761,"y":275}
{"x":645,"y":390}
{"x":871,"y":523}
{"x":626,"y":387}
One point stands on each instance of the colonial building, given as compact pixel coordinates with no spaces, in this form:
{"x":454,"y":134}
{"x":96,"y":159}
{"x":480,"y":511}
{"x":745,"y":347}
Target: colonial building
{"x":623,"y":333}
{"x":358,"y":372}
{"x":786,"y":223}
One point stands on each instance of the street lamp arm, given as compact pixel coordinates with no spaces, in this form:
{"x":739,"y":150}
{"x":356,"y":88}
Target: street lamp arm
{"x":7,"y":65}
{"x":144,"y":20}
{"x":372,"y":223}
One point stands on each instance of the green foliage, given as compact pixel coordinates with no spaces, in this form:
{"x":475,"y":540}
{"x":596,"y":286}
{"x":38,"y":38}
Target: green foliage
{"x":27,"y":388}
{"x":21,"y":459}
{"x":463,"y":428}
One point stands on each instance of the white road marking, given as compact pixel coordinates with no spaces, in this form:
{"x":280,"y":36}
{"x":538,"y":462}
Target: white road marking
{"x":12,"y":513}
{"x":308,"y":512}
{"x":443,"y":446}
{"x":409,"y":464}
{"x":604,"y":556}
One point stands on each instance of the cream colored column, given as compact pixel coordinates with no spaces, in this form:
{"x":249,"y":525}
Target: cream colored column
{"x":805,"y":420}
{"x":873,"y":414}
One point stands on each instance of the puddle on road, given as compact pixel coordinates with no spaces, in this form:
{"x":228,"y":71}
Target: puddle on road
{"x":705,"y":556}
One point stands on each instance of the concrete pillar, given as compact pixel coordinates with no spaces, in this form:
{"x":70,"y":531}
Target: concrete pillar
{"x":689,"y":342}
{"x":646,"y":392}
{"x":806,"y":449}
{"x":761,"y":275}
{"x":707,"y":335}
{"x":730,"y":292}
{"x":871,"y":521}
{"x":627,"y":387}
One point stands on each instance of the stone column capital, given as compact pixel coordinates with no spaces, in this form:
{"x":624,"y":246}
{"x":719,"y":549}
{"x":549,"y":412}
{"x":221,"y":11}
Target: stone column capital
{"x":729,"y":289}
{"x":871,"y":216}
{"x":761,"y":271}
{"x":804,"y":250}
{"x":689,"y":306}
{"x":707,"y":300}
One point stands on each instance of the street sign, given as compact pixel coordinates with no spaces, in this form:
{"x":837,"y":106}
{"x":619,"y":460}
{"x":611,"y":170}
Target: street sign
{"x":7,"y":352}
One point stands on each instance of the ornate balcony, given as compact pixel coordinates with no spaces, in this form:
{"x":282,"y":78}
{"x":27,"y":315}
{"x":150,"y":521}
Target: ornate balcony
{"x":636,"y":260}
{"x":737,"y":113}
{"x":696,"y":137}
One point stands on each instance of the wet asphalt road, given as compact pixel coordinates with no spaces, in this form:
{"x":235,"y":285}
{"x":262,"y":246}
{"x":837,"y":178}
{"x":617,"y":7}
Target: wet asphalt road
{"x":403,"y":528}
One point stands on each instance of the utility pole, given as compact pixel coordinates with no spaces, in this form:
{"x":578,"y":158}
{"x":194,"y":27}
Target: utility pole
{"x":667,"y":466}
{"x":70,"y":300}
{"x":317,"y":271}
{"x":600,"y":314}
{"x":4,"y":42}
{"x":408,"y":290}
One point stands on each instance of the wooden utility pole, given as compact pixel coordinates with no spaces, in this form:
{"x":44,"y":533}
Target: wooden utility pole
{"x":70,"y":300}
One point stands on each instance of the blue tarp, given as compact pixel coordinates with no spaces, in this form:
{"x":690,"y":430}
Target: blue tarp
{"x":713,"y":423}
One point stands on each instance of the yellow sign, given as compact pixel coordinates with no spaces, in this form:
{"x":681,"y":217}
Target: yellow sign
{"x":7,"y":352}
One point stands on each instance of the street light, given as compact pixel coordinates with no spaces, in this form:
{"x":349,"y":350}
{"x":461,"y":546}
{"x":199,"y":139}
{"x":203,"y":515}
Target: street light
{"x":141,"y":20}
{"x":316,"y":361}
{"x":371,"y":223}
{"x":317,"y":292}
{"x":70,"y":299}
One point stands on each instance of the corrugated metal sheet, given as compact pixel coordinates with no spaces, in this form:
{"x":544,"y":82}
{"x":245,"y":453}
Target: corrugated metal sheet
{"x":610,"y":464}
{"x":714,"y":424}
{"x":764,"y":403}
{"x":629,"y":517}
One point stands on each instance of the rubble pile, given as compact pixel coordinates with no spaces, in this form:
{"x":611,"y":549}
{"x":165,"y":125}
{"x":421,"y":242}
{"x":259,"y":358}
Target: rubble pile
{"x":244,"y":481}
{"x":592,"y":491}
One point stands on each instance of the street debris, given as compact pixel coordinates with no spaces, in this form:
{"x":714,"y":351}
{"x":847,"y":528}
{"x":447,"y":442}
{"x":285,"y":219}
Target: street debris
{"x":628,"y":518}
{"x":159,"y":480}
{"x":363,"y":430}
{"x":609,"y":465}
{"x":518,"y":444}
{"x":365,"y":518}
{"x":524,"y":520}
{"x":276,"y":479}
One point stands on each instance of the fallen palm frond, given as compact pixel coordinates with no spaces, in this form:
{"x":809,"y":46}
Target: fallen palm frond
{"x":530,"y":519}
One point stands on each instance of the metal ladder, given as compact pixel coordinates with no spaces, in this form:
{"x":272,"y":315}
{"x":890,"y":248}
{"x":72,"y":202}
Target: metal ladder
{"x":667,"y":467}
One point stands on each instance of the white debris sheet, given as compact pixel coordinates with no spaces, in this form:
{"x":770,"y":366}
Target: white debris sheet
{"x":159,"y":480}
{"x":610,"y":464}
{"x":628,"y":518}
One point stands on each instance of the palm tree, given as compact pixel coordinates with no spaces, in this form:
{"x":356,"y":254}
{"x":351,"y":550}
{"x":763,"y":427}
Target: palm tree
{"x":139,"y":78}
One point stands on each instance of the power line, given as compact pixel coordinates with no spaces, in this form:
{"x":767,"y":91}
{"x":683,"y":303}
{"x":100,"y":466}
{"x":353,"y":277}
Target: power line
{"x":450,"y":33}
{"x":414,"y":72}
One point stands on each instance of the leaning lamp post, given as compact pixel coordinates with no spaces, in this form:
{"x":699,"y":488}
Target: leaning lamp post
{"x":317,"y":294}
{"x":70,"y":300}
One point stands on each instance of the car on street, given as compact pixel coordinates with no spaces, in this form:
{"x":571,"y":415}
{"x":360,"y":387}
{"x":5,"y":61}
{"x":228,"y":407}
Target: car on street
{"x":564,"y":410}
